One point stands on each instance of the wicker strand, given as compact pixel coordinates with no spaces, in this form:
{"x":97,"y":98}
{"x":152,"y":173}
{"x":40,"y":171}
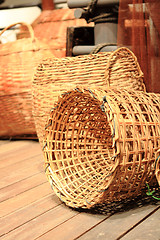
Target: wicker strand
{"x":157,"y":167}
{"x":98,"y":47}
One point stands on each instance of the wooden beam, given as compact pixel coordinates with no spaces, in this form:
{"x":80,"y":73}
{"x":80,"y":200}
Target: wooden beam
{"x":48,"y":5}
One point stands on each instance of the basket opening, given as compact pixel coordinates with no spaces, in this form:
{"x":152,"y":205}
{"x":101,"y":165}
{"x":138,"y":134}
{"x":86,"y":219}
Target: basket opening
{"x":79,"y":149}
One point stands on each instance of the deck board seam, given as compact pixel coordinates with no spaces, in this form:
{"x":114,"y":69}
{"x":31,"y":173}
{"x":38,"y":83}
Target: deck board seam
{"x":19,"y":181}
{"x":30,"y":220}
{"x":25,"y":190}
{"x":57,"y":226}
{"x":138,"y":223}
{"x":22,"y":160}
{"x":111,"y":214}
{"x":26,"y":205}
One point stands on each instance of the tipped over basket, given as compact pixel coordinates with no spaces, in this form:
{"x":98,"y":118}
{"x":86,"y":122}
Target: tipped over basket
{"x":55,"y":76}
{"x":101,"y":146}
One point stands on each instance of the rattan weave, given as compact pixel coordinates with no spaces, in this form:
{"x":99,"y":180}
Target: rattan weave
{"x":157,"y":166}
{"x":123,"y":70}
{"x":101,"y":146}
{"x":18,"y":61}
{"x":54,"y":76}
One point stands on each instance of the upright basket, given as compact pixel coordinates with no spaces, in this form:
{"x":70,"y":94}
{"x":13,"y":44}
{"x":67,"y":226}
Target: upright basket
{"x":101,"y":146}
{"x":18,"y":61}
{"x":55,"y":76}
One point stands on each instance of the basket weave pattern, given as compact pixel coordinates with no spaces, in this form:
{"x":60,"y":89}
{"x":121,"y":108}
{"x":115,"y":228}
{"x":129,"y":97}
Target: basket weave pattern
{"x":55,"y":76}
{"x":123,"y":70}
{"x":15,"y":115}
{"x":18,"y":61}
{"x":101,"y":146}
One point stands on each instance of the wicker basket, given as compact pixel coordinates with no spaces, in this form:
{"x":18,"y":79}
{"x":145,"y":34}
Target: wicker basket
{"x":54,"y":76}
{"x":101,"y":146}
{"x":18,"y":61}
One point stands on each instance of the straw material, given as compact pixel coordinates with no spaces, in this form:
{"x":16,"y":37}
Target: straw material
{"x":18,"y":61}
{"x":157,"y":166}
{"x":15,"y":115}
{"x":123,"y":70}
{"x":101,"y":146}
{"x":55,"y":76}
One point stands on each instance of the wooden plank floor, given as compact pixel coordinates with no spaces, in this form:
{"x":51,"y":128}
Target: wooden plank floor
{"x":29,"y":209}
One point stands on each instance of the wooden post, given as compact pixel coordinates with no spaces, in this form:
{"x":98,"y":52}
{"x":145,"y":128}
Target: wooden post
{"x":48,"y":5}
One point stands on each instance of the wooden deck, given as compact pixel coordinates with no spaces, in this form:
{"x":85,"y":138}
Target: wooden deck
{"x":29,"y":209}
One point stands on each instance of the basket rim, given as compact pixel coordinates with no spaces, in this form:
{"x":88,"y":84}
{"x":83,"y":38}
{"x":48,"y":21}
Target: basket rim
{"x":30,"y":29}
{"x":48,"y":162}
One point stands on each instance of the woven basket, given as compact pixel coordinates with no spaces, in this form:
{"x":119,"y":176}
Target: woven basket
{"x":101,"y":146}
{"x":18,"y":61}
{"x":54,"y":76}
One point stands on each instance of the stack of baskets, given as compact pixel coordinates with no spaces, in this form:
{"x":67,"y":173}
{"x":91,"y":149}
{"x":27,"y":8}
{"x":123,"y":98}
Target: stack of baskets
{"x":18,"y":61}
{"x":98,"y":128}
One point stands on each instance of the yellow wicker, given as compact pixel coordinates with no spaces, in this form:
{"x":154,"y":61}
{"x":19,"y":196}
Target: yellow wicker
{"x":123,"y":70}
{"x":18,"y":61}
{"x":157,"y":166}
{"x":54,"y":76}
{"x":101,"y":146}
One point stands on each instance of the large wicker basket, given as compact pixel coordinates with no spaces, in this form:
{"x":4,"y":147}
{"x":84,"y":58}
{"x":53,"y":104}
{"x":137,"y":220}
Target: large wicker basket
{"x":18,"y":61}
{"x":54,"y":76}
{"x":101,"y":146}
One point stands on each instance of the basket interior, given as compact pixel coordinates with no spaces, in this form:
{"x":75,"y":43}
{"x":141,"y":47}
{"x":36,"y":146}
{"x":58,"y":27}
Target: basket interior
{"x":78,"y":148}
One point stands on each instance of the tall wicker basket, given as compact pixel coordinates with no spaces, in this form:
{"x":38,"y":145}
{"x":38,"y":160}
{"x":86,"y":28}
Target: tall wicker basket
{"x":54,"y":76}
{"x":101,"y":146}
{"x":18,"y":61}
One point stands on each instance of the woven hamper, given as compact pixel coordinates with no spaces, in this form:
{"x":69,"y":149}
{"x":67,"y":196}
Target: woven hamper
{"x":101,"y":146}
{"x":18,"y":61}
{"x":54,"y":76}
